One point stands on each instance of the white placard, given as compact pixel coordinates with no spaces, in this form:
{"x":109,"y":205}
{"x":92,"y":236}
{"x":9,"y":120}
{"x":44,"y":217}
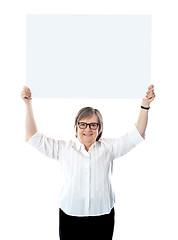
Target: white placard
{"x":88,"y":56}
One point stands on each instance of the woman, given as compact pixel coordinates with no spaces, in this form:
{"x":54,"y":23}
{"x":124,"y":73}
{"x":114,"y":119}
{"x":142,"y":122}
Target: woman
{"x":86,"y":202}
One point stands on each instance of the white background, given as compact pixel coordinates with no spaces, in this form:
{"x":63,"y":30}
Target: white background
{"x":145,"y":180}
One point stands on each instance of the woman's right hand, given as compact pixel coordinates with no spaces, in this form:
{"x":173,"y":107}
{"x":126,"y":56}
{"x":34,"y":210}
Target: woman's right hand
{"x":30,"y":124}
{"x":26,"y":95}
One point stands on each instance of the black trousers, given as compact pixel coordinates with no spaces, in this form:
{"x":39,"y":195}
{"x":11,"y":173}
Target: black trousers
{"x":86,"y":228}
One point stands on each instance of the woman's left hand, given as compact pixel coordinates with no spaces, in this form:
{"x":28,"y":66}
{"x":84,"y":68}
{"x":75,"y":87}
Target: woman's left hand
{"x":150,"y":96}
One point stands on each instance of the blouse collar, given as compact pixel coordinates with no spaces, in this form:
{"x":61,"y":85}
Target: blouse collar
{"x":79,"y":146}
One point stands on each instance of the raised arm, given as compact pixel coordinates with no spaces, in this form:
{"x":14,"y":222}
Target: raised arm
{"x":30,"y":124}
{"x":142,"y":120}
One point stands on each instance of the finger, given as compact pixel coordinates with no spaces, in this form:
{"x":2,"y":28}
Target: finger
{"x":25,"y":95}
{"x":26,"y":92}
{"x":149,"y":95}
{"x":150,"y":99}
{"x":150,"y":91}
{"x":25,"y":87}
{"x":151,"y":87}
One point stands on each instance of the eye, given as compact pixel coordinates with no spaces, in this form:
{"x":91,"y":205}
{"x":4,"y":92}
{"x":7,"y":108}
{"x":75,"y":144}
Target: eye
{"x":94,"y":126}
{"x":82,"y":125}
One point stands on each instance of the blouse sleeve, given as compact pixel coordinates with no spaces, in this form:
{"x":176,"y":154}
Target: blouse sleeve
{"x":48,"y":146}
{"x":125,"y":143}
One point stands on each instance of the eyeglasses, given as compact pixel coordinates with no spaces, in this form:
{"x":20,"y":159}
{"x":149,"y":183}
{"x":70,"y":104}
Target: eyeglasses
{"x":83,"y":125}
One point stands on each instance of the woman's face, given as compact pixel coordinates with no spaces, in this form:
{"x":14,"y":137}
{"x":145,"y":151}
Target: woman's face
{"x":88,"y":136}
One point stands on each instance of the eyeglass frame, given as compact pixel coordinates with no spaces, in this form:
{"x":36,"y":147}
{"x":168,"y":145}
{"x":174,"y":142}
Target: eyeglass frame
{"x":88,"y":124}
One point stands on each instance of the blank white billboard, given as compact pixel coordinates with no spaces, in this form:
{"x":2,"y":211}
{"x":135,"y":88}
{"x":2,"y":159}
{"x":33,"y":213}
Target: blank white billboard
{"x":88,"y":56}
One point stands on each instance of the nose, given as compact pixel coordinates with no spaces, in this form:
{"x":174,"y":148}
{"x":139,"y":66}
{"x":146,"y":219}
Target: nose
{"x":88,"y":127}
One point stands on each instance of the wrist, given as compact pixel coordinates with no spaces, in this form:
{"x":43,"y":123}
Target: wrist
{"x":145,"y":108}
{"x":145,"y":103}
{"x":28,"y":104}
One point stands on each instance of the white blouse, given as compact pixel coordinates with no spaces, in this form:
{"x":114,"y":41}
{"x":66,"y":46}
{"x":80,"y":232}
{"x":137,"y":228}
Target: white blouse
{"x":86,"y":188}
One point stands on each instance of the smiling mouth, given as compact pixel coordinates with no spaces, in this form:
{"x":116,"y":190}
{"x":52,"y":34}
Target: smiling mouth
{"x":88,"y":135}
